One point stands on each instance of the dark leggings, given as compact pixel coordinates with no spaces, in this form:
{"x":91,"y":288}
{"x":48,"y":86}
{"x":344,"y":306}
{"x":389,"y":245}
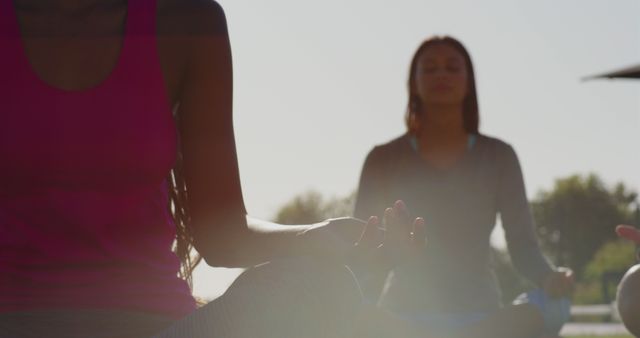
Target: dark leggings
{"x":286,"y":298}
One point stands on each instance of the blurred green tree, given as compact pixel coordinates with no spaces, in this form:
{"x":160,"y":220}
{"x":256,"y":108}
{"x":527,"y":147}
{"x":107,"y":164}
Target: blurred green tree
{"x":578,"y":216}
{"x":603,"y":273}
{"x":311,"y":207}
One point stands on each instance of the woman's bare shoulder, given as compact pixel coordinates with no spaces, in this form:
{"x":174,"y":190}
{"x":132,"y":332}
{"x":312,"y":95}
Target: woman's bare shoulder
{"x":191,"y":17}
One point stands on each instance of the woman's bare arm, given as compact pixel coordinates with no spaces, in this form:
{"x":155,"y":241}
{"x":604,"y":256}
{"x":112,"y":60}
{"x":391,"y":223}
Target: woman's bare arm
{"x":223,"y":233}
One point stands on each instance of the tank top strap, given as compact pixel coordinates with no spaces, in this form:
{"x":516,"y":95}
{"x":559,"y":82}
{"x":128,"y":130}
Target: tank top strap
{"x":141,"y":18}
{"x":140,"y":52}
{"x":12,"y":61}
{"x":8,"y":22}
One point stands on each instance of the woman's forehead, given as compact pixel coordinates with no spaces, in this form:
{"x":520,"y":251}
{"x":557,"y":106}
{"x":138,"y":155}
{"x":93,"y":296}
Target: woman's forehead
{"x":441,"y":52}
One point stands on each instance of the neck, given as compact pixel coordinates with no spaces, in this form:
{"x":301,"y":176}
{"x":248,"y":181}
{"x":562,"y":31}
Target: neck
{"x":437,"y":138}
{"x":443,"y":124}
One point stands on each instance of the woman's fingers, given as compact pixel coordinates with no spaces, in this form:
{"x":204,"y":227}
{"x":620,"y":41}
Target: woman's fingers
{"x":397,"y":223}
{"x":403,"y":236}
{"x":401,"y":214}
{"x":371,"y":235}
{"x":392,"y":232}
{"x":419,"y":234}
{"x":567,"y":281}
{"x":560,"y":283}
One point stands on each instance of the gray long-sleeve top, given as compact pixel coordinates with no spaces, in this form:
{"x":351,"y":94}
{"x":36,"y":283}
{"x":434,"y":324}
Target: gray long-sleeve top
{"x":459,"y":206}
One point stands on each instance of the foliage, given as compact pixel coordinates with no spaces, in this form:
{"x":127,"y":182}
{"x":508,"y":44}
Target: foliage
{"x":578,"y":216}
{"x":603,"y":273}
{"x":311,"y":207}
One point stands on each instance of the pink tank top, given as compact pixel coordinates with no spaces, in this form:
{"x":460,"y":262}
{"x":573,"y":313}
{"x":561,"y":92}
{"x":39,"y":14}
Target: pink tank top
{"x":84,"y":210}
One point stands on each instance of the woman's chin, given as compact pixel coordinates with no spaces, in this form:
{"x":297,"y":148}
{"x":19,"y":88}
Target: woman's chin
{"x":444,"y":100}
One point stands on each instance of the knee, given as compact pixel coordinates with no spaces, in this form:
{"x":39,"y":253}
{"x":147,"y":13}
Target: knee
{"x":318,"y":299}
{"x":325,"y":283}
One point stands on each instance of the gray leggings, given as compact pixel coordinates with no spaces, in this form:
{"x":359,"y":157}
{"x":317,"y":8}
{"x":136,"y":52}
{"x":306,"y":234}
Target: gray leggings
{"x":286,"y":298}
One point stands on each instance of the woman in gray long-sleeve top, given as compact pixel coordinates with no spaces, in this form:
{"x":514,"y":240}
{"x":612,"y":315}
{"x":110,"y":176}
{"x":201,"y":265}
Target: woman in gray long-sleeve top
{"x":458,"y":180}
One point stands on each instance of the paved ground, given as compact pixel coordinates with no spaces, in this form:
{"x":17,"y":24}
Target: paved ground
{"x":594,"y":329}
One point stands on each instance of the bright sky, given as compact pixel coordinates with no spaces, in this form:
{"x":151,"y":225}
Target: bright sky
{"x":319,"y":83}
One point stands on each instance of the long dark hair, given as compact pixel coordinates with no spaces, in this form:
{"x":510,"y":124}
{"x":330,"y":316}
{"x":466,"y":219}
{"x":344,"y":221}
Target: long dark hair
{"x":470,"y":113}
{"x":181,"y":217}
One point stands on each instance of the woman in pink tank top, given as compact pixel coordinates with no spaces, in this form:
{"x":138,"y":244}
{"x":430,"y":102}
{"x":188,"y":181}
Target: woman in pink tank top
{"x":117,"y":142}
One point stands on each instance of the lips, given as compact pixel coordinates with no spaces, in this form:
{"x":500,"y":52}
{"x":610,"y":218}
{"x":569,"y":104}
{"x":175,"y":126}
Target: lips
{"x":441,"y":88}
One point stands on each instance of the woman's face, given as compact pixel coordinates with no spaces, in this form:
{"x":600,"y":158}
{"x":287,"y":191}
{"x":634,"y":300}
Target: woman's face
{"x":441,"y":76}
